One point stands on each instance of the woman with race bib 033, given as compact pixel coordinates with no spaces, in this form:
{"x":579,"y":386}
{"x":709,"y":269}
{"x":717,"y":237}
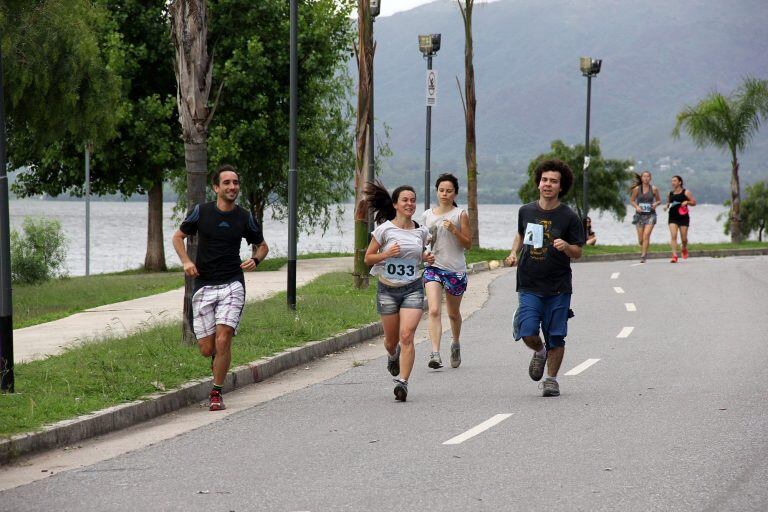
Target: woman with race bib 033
{"x":395,"y":254}
{"x":450,"y":236}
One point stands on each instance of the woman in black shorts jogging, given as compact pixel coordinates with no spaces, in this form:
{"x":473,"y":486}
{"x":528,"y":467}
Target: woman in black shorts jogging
{"x":395,"y":254}
{"x":678,"y":202}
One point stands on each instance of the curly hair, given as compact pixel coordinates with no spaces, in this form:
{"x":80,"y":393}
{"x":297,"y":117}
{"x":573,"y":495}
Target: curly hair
{"x":383,"y":205}
{"x":554,"y":165}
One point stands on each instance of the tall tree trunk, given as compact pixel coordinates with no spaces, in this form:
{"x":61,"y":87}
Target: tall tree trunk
{"x":735,"y":201}
{"x":365,"y":51}
{"x":155,"y":257}
{"x":193,"y":68}
{"x":470,"y":107}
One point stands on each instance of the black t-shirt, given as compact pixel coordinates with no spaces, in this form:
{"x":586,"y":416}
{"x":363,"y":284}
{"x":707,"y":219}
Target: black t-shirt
{"x":219,"y":237}
{"x":547,"y":271}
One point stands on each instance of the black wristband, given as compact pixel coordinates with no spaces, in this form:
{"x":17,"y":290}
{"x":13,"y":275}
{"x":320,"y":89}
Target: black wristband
{"x":256,"y":260}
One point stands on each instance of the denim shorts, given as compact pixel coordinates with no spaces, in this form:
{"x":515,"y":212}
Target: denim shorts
{"x":454,"y":283}
{"x":391,"y":299}
{"x":548,"y":313}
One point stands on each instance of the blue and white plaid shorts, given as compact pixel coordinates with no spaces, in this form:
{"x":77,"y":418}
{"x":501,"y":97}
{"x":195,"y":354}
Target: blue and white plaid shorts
{"x":214,"y":305}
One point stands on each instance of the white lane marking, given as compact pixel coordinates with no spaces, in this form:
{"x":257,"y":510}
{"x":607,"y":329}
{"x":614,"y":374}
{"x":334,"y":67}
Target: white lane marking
{"x":583,"y":366}
{"x":618,"y":289}
{"x":478,"y":429}
{"x":636,"y":264}
{"x":625,"y":332}
{"x":615,"y":275}
{"x":630,"y":306}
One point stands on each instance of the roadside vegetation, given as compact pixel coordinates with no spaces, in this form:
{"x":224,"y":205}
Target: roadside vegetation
{"x":95,"y":375}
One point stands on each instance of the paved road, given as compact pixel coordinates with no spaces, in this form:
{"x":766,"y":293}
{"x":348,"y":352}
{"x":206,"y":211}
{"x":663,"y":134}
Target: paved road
{"x":671,"y":416}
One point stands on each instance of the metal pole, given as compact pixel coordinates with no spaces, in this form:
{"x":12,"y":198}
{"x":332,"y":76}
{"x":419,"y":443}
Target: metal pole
{"x":292,"y":158}
{"x":87,"y":209}
{"x":6,"y":304}
{"x":586,"y":151}
{"x":371,"y":172}
{"x":427,"y":178}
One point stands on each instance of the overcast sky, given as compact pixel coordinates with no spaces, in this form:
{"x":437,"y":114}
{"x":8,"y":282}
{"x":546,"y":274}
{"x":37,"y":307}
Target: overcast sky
{"x":392,"y":6}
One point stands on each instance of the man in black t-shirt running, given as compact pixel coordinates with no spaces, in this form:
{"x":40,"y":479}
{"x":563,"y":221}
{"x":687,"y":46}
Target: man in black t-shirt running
{"x":219,"y":290}
{"x":549,"y":235}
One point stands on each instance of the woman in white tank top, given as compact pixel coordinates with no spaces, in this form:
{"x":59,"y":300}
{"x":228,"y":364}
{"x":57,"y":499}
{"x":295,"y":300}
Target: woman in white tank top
{"x":450,"y":236}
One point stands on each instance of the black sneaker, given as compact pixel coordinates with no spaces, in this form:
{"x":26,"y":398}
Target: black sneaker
{"x":536,"y":368}
{"x":551,"y":388}
{"x":401,"y":389}
{"x":393,"y":362}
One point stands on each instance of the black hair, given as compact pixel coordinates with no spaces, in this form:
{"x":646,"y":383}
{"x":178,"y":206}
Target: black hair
{"x":383,"y":205}
{"x":446,"y":176}
{"x":679,"y":178}
{"x":223,"y":168}
{"x":554,"y":165}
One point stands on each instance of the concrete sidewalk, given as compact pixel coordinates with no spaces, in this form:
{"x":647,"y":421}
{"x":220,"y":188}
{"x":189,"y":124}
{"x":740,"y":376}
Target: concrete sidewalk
{"x":123,"y":318}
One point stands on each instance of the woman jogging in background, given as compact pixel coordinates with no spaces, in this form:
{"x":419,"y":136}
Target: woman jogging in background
{"x":450,"y":233}
{"x":678,"y":202}
{"x":644,"y":198}
{"x":589,"y":232}
{"x":395,"y":254}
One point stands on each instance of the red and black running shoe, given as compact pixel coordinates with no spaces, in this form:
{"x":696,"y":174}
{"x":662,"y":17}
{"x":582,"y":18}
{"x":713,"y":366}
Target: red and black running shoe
{"x":215,"y":401}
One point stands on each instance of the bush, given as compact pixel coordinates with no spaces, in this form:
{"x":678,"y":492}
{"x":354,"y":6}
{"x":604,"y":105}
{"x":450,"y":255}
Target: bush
{"x":38,"y":254}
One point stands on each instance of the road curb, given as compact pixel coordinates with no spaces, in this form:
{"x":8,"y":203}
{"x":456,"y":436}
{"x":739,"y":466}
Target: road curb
{"x":707,"y":253}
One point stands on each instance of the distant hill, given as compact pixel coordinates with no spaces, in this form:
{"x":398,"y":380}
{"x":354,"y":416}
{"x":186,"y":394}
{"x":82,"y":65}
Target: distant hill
{"x":658,"y":55}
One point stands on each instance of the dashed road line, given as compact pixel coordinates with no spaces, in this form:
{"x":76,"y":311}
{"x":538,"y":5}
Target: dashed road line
{"x":618,"y":289}
{"x":615,"y":275}
{"x":583,"y":366}
{"x":630,"y":306}
{"x":479,"y":429}
{"x":625,"y":332}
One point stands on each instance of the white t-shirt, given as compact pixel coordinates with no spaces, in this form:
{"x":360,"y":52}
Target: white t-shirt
{"x":449,"y":254}
{"x":405,"y":267}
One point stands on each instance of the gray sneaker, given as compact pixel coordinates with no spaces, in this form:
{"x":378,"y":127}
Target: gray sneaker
{"x":401,"y":389}
{"x":536,"y":368}
{"x":455,"y":355}
{"x":435,"y":361}
{"x":551,"y":388}
{"x":393,"y":362}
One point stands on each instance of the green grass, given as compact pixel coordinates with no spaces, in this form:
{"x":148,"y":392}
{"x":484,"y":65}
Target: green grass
{"x":100,"y":374}
{"x":58,"y":298}
{"x":35,"y":304}
{"x":475,"y":255}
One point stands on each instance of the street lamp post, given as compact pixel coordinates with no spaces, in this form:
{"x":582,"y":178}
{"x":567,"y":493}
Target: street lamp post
{"x":589,"y":67}
{"x":429,"y":44}
{"x":293,"y":156}
{"x":6,"y":310}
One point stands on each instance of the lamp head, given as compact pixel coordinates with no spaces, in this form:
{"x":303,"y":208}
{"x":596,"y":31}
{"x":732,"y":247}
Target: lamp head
{"x":590,"y":66}
{"x":375,"y":7}
{"x":429,"y":44}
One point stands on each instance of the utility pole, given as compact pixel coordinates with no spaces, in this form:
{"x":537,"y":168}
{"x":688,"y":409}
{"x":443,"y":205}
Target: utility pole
{"x":6,"y":304}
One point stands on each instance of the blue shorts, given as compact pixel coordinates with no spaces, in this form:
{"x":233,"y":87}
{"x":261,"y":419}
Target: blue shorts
{"x":391,"y":299}
{"x":548,"y":313}
{"x":454,"y":283}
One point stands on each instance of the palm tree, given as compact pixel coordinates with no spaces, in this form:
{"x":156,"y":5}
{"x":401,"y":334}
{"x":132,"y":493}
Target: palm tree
{"x":727,"y":122}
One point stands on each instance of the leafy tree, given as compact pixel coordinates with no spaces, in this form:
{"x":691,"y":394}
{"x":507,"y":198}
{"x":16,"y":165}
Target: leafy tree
{"x":607,"y":178}
{"x":251,"y":126}
{"x":59,"y":60}
{"x":754,"y":211}
{"x":729,"y":123}
{"x":145,"y":147}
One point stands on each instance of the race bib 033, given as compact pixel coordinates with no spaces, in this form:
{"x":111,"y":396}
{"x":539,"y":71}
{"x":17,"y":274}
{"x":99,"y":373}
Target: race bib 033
{"x":400,"y":269}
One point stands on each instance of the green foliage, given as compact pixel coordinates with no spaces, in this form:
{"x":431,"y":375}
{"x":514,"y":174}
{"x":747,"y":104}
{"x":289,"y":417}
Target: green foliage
{"x":607,"y":178}
{"x":38,"y":254}
{"x":145,"y":142}
{"x":250,"y":128}
{"x":60,"y":81}
{"x":754,"y":211}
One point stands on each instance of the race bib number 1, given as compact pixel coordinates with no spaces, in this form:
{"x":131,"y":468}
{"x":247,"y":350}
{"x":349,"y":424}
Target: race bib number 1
{"x":400,"y":269}
{"x":534,"y":235}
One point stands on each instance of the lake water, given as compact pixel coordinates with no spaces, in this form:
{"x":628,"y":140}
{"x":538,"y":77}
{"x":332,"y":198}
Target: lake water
{"x":119,"y":231}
